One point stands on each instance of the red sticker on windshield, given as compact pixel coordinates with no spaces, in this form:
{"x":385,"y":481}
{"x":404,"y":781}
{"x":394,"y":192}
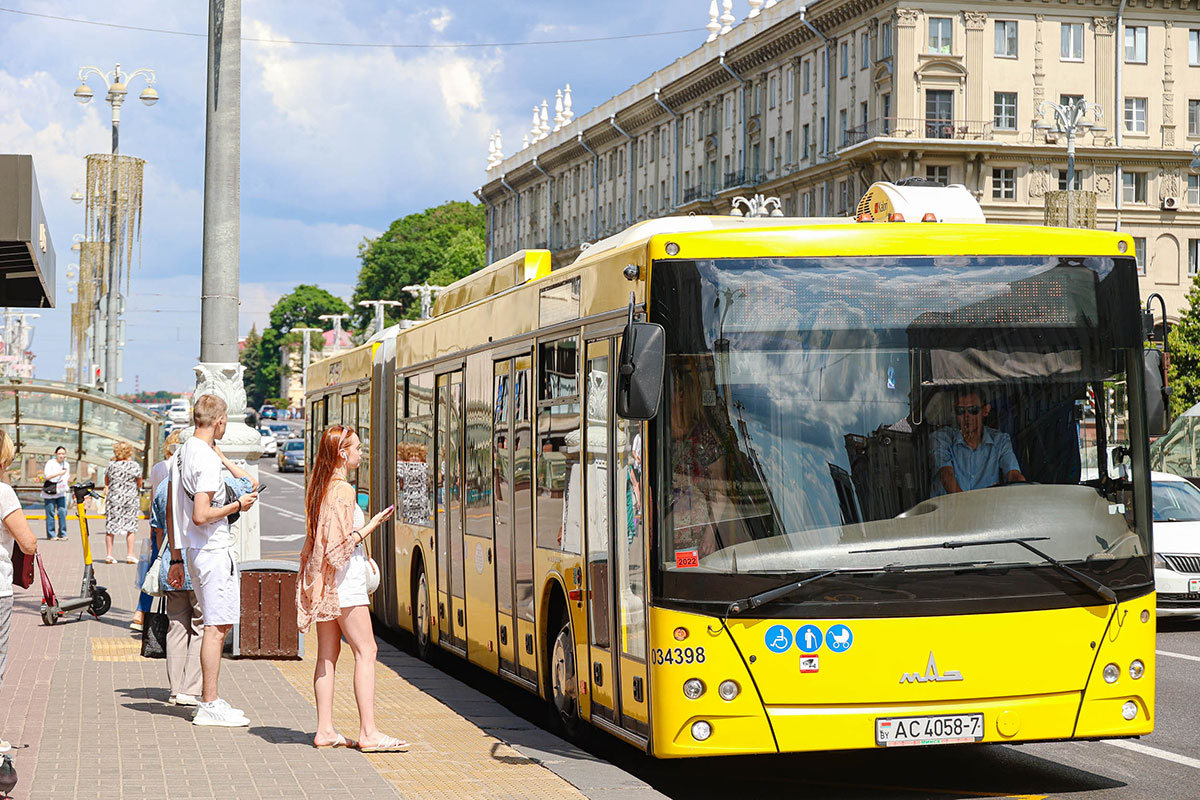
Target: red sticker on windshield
{"x":687,"y":558}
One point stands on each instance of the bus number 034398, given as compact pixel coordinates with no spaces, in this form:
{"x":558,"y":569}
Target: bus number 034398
{"x":678,"y":655}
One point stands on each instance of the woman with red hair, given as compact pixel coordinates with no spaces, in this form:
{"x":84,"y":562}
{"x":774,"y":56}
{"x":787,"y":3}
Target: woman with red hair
{"x":332,"y":590}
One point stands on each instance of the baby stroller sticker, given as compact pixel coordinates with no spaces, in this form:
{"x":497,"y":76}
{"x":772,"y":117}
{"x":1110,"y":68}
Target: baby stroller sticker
{"x":839,"y":638}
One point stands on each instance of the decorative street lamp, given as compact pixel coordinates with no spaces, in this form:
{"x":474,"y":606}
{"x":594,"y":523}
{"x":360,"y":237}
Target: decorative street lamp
{"x":116,"y":85}
{"x":1068,"y":119}
{"x":757,"y":206}
{"x":1195,"y":165}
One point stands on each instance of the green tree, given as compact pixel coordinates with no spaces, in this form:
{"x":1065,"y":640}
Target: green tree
{"x":439,"y":245}
{"x":1184,"y":369}
{"x":251,"y":360}
{"x":301,"y":308}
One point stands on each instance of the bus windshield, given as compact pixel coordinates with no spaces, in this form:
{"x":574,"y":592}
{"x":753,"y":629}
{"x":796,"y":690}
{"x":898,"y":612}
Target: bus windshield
{"x":831,"y":414}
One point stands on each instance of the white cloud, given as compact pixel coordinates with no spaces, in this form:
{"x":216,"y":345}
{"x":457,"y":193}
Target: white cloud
{"x":443,"y":18}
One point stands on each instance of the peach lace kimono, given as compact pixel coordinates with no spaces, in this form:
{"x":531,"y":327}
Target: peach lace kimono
{"x":324,"y":553}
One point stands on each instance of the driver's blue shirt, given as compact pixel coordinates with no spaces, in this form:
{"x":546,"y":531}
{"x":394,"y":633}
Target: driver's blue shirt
{"x":984,"y":466}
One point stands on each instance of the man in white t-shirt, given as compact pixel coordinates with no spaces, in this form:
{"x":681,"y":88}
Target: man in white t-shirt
{"x":201,"y":534}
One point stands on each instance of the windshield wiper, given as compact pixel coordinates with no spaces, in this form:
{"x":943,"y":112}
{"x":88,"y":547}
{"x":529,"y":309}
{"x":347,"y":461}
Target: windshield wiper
{"x":764,"y":597}
{"x":1091,"y":583}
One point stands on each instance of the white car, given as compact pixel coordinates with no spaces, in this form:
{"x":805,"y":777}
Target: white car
{"x":180,"y":412}
{"x":268,"y":441}
{"x":1176,"y":544}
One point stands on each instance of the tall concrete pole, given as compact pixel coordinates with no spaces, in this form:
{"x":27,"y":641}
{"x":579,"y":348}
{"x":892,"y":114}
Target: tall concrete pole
{"x":112,"y":299}
{"x":219,"y":372}
{"x":307,"y":332}
{"x":378,"y":306}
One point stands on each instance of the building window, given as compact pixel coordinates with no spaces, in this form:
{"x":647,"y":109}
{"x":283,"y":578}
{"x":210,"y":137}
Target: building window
{"x":728,"y":111}
{"x":1006,"y":38}
{"x":653,"y":145}
{"x":1193,"y":117}
{"x":844,"y":58}
{"x":864,"y":50}
{"x":772,"y":91}
{"x":787,"y":146}
{"x":791,"y":83}
{"x":885,"y":40}
{"x":1062,"y":181}
{"x":771,"y":155}
{"x":1139,"y":253}
{"x":757,"y":98}
{"x":663,"y":140}
{"x":1071,"y":47}
{"x":885,"y":105}
{"x":687,"y":129}
{"x":1194,"y":47}
{"x":864,"y":115}
{"x":939,"y":173}
{"x":843,"y":197}
{"x":1004,"y":184}
{"x":1005,"y":110}
{"x":1069,"y":99}
{"x":1135,"y":44}
{"x":1193,"y":257}
{"x":940,"y":31}
{"x":1135,"y":115}
{"x":803,"y":142}
{"x":939,"y":113}
{"x":806,"y":76}
{"x":843,"y":128}
{"x":1133,"y":188}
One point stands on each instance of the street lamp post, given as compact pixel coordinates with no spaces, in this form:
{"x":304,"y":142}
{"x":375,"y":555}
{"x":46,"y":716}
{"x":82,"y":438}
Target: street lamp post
{"x":304,"y":375}
{"x":116,"y":83}
{"x":1068,"y":119}
{"x":378,"y":305}
{"x":336,"y":319}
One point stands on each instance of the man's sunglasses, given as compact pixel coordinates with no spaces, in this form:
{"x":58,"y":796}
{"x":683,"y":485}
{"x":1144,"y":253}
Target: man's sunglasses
{"x":972,"y":410}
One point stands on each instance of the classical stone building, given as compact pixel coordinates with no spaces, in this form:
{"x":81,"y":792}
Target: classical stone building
{"x":812,"y":105}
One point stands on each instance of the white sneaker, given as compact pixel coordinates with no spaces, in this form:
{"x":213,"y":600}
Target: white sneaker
{"x":216,"y":715}
{"x":183,"y":700}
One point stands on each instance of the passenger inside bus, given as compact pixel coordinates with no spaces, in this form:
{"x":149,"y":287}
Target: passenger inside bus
{"x":972,"y":455}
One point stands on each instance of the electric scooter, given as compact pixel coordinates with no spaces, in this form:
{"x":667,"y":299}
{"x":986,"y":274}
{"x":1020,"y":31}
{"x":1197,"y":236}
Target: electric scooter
{"x":92,"y":598}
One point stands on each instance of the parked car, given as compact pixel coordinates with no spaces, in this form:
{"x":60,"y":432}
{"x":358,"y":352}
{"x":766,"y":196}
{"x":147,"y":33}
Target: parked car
{"x":268,"y":411}
{"x":269,"y":444}
{"x":180,"y":412}
{"x":290,"y":456}
{"x":281,"y":431}
{"x":1176,"y":544}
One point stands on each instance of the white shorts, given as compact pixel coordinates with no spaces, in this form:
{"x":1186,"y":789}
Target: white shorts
{"x":215,"y":579}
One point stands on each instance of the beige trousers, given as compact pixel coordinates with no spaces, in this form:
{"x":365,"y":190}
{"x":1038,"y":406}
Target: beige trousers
{"x":184,"y":635}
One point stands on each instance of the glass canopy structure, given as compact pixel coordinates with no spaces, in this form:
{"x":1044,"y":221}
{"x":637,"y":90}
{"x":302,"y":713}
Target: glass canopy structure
{"x":42,"y":415}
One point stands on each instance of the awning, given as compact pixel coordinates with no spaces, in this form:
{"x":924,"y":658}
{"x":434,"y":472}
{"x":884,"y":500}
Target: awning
{"x":26,"y":252}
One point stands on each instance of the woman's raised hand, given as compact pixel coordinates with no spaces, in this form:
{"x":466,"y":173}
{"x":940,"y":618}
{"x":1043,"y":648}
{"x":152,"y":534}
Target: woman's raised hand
{"x":382,"y":516}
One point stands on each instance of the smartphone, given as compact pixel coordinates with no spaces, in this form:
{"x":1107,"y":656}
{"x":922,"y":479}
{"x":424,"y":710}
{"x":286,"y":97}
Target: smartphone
{"x":261,"y":488}
{"x":389,"y":508}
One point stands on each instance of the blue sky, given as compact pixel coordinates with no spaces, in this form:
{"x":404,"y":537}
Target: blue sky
{"x":336,"y":142}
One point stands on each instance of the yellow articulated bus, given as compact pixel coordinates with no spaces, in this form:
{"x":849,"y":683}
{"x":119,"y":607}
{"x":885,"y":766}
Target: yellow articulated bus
{"x":758,"y":485}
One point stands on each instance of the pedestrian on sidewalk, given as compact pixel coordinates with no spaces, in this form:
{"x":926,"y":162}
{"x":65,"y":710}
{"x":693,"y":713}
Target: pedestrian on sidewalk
{"x":59,"y":471}
{"x":202,"y":536}
{"x":13,"y":528}
{"x":122,"y":482}
{"x":332,"y":588}
{"x":159,"y":474}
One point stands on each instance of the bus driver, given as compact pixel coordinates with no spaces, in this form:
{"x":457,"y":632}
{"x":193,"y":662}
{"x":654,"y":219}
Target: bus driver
{"x":972,"y":456}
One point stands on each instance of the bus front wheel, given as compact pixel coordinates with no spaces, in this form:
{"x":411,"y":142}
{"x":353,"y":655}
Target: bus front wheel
{"x":564,"y":682}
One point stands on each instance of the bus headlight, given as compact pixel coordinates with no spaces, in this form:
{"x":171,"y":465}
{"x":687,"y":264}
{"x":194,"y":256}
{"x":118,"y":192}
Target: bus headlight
{"x":701,"y":730}
{"x":1111,"y":673}
{"x":1137,"y":669}
{"x":729,"y":690}
{"x":1128,"y":711}
{"x":693,"y":688}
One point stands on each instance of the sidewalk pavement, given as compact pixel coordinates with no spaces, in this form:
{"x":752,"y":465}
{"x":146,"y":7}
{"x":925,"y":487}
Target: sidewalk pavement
{"x":88,"y":718}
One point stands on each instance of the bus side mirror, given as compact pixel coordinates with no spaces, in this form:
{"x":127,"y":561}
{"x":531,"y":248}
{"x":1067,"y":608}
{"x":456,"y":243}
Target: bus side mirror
{"x":1158,"y":394}
{"x":640,"y":370}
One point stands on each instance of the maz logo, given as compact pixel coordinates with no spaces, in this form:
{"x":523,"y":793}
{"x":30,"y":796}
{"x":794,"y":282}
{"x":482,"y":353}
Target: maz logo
{"x":931,"y":674}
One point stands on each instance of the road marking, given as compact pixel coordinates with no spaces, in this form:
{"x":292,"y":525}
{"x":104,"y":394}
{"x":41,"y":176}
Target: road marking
{"x":291,"y":538}
{"x":1154,"y":751}
{"x":1177,"y":655}
{"x":285,"y":512}
{"x":279,"y":476}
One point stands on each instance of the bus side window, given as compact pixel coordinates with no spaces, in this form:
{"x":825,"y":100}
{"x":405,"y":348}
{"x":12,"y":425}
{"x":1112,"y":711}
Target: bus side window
{"x":559,"y":488}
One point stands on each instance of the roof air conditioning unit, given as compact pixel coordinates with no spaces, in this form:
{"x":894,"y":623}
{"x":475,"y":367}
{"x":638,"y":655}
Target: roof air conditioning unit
{"x":1170,"y":203}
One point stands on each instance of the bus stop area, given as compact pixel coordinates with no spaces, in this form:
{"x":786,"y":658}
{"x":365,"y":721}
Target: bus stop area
{"x":89,"y":719}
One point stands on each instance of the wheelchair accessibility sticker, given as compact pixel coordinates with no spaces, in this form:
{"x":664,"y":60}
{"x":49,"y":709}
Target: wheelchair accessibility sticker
{"x":778,"y":639}
{"x":839,"y":638}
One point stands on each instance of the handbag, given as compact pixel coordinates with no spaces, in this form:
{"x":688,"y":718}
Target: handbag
{"x":152,"y":583}
{"x":22,"y":564}
{"x":372,"y":576}
{"x":154,"y":631}
{"x":50,"y":486}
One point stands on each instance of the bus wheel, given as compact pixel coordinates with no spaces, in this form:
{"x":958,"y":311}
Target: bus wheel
{"x":564,"y":684}
{"x":421,"y":618}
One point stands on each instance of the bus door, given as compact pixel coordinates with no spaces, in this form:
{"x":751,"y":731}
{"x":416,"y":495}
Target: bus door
{"x":522,"y":517}
{"x":615,"y":575}
{"x":479,"y":546}
{"x":452,"y":620}
{"x":502,"y":511}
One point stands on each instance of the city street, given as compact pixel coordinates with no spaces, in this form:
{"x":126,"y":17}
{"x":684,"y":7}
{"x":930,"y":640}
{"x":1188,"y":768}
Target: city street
{"x":281,"y":517}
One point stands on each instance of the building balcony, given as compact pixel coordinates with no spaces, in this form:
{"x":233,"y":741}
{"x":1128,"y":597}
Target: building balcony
{"x":917,"y":128}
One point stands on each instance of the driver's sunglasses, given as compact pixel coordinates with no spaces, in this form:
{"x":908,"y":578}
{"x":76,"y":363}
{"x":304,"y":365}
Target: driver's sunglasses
{"x":972,"y":410}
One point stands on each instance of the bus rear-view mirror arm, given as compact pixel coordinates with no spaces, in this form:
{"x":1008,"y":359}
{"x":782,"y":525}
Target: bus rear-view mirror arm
{"x":640,"y":368}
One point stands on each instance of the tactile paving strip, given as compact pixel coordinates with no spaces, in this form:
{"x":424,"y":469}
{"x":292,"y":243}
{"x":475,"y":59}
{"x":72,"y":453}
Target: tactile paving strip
{"x":117,"y":648}
{"x":450,"y":757}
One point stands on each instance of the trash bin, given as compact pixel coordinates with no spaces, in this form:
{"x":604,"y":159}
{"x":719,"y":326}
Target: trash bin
{"x":267,"y":628}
